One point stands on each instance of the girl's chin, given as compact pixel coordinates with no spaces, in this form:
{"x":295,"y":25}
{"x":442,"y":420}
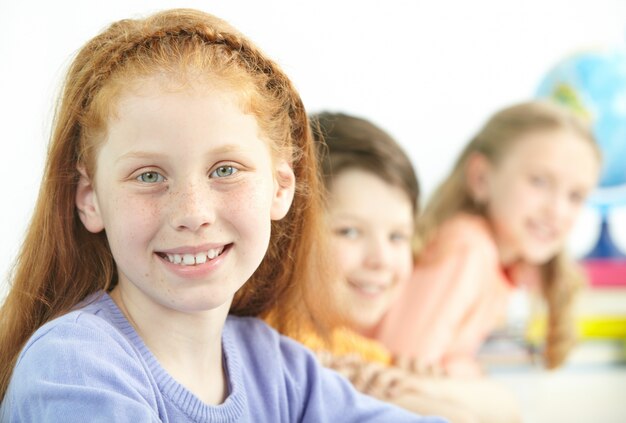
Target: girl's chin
{"x":539,"y":257}
{"x":363,"y":323}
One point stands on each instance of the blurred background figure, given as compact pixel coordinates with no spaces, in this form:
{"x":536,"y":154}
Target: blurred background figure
{"x":498,"y":223}
{"x":592,"y":83}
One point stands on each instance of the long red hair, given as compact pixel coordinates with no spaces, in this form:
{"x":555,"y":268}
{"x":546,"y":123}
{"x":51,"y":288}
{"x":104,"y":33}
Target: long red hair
{"x":61,"y":263}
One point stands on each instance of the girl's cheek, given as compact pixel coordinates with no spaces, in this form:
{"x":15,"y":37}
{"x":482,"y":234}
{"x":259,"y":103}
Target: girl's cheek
{"x":406,"y":266}
{"x":248,"y":196}
{"x":344,"y":258}
{"x":525,"y":196}
{"x":137,"y":213}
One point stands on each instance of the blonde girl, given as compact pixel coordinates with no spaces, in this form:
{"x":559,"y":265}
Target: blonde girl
{"x":499,"y":221}
{"x":180,"y":193}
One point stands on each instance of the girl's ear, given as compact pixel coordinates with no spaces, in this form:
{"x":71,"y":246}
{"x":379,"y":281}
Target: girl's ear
{"x":87,"y":203}
{"x":477,"y":172}
{"x":284,"y":189}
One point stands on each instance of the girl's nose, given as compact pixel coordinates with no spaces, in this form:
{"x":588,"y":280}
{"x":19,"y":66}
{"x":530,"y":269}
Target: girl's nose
{"x":560,"y":207}
{"x":377,"y":254}
{"x":191,"y":207}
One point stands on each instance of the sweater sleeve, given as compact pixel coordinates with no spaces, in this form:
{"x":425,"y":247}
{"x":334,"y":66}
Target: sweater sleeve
{"x":286,"y":383}
{"x":78,"y":370}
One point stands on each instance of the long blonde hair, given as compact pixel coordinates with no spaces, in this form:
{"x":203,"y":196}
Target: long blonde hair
{"x":61,"y":263}
{"x":561,"y":277}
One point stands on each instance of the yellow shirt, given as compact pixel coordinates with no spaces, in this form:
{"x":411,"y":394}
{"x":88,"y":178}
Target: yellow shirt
{"x":344,"y":341}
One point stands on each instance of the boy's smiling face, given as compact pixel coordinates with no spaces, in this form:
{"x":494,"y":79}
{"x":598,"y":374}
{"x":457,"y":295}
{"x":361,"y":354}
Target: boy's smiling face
{"x":372,"y":226}
{"x":185,"y":190}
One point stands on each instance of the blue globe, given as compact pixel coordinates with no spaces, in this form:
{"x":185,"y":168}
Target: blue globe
{"x":593,"y":83}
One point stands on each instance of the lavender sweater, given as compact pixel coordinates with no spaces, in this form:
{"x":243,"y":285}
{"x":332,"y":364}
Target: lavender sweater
{"x":91,"y":366}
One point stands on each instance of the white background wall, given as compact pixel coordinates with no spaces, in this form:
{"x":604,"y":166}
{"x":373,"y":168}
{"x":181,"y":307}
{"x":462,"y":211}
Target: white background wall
{"x":430,"y":72}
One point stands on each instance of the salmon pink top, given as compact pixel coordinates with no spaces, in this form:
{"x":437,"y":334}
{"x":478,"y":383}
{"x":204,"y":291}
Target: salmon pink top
{"x":457,"y":295}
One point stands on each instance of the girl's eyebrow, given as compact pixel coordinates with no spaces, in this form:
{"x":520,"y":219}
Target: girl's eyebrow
{"x":135,"y":155}
{"x":348,"y":217}
{"x":141,"y":154}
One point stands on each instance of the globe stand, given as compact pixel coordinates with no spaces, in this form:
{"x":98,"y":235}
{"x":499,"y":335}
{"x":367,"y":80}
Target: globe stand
{"x":605,"y":264}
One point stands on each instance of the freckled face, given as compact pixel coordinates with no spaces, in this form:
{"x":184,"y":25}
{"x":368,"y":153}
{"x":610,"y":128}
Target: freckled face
{"x":372,"y":225}
{"x":185,"y":191}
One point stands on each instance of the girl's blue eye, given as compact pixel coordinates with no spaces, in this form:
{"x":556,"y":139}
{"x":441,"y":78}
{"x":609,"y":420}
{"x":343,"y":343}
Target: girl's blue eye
{"x":350,"y":233}
{"x":223,"y":171}
{"x":150,"y":177}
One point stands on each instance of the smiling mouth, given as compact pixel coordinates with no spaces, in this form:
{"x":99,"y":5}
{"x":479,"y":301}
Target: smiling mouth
{"x":369,"y":289}
{"x":543,"y":232}
{"x":193,"y":259}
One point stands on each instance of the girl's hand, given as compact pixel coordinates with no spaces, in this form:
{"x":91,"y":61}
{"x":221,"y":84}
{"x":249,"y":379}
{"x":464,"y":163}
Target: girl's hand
{"x":375,"y":379}
{"x":419,"y":367}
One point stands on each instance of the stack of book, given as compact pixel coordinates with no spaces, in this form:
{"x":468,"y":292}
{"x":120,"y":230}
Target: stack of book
{"x":601,"y":323}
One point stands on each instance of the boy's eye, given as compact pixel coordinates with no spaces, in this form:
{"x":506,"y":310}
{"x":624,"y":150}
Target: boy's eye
{"x":350,"y":233}
{"x":223,"y":171}
{"x":150,"y":177}
{"x":398,"y":237}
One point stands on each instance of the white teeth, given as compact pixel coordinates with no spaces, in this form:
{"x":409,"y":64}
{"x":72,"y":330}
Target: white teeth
{"x":215,"y":252}
{"x":192,"y":259}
